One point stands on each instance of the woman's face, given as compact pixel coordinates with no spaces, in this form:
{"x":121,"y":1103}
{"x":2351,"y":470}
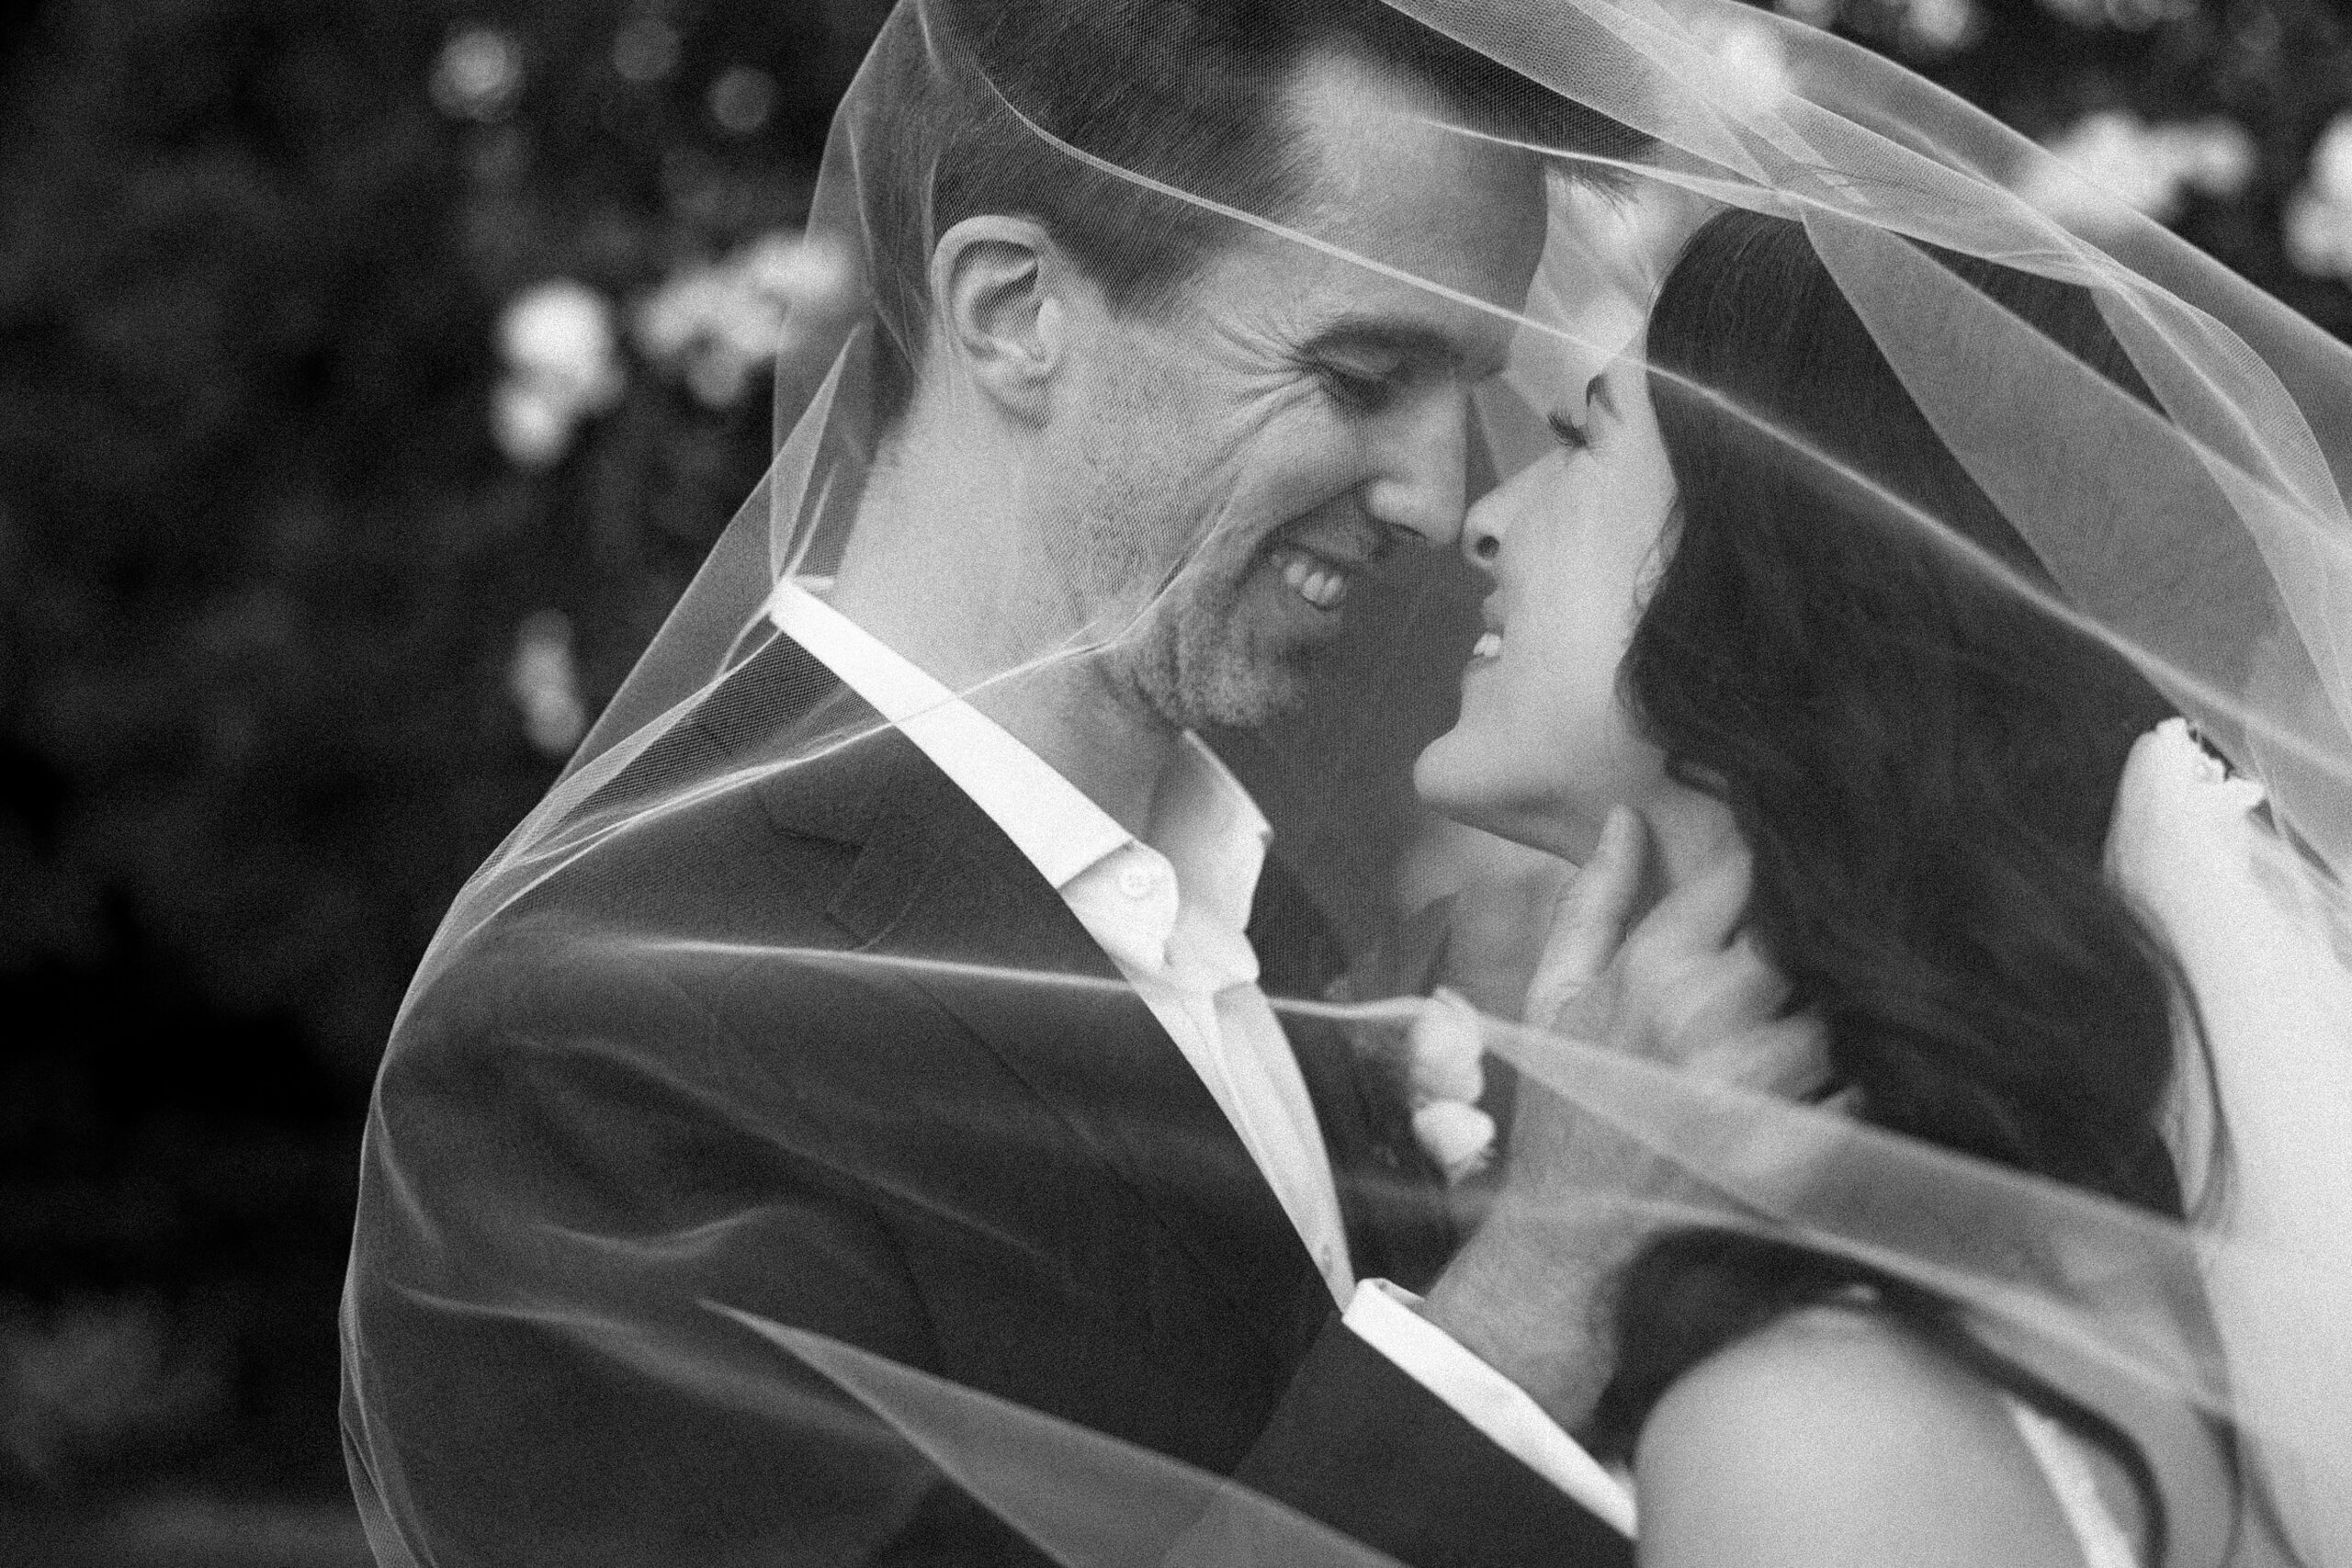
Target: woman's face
{"x":1543,"y":748}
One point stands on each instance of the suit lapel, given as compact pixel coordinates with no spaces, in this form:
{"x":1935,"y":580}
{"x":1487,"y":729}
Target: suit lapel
{"x":1392,"y":1200}
{"x":937,"y":883}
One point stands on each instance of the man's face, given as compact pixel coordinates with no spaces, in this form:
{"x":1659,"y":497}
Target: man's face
{"x":1298,"y":415}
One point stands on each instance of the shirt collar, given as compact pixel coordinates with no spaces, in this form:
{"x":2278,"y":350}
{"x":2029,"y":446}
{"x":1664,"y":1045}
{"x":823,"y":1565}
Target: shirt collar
{"x":1212,"y":833}
{"x":1204,"y":822}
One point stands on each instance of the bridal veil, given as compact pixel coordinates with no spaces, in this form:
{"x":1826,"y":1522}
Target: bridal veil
{"x":2206,"y":537}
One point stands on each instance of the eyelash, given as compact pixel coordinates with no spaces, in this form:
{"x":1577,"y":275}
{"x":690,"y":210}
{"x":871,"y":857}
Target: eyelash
{"x":1358,"y":394}
{"x":1568,"y":433}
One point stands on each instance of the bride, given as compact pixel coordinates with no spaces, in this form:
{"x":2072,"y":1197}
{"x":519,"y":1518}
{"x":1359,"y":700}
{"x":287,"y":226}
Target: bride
{"x":1707,"y":639}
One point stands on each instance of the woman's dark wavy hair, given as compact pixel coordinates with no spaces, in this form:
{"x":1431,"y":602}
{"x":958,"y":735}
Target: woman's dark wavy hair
{"x":1923,"y":767}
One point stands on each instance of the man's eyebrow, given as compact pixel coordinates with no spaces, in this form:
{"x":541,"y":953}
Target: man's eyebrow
{"x":1408,"y":341}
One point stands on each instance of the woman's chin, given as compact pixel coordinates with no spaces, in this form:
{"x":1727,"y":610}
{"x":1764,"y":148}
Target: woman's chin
{"x":1445,"y":777}
{"x":1455,"y":777}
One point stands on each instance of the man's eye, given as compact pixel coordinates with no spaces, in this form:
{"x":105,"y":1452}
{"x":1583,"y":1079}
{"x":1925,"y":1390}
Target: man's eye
{"x":1355,"y":390}
{"x":1568,"y":433}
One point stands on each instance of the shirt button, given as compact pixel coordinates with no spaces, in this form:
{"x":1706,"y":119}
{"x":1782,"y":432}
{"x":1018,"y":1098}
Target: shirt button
{"x":1135,"y":880}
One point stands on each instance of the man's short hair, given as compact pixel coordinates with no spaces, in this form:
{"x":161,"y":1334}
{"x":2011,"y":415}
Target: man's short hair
{"x":1186,"y":92}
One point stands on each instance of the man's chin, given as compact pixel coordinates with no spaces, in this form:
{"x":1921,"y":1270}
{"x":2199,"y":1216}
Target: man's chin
{"x":1232,"y":693}
{"x":1260,"y":699}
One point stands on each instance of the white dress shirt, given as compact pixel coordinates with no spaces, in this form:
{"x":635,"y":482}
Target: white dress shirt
{"x":1170,"y":908}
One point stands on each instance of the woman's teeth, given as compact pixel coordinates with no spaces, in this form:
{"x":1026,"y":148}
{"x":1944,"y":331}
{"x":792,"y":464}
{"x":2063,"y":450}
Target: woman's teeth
{"x":1489,"y":645}
{"x":1321,"y":586}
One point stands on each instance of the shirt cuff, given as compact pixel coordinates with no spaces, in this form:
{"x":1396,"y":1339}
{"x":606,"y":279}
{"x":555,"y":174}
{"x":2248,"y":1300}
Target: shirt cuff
{"x":1382,"y":1315}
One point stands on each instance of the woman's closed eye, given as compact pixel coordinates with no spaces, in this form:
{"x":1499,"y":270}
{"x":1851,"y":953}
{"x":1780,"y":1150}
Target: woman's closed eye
{"x":1600,"y":398}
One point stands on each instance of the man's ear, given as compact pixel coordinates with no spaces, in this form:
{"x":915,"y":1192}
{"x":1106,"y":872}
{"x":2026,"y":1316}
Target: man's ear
{"x":1001,"y":289}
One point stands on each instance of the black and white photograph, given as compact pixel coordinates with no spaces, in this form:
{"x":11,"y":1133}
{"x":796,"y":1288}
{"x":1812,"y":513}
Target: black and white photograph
{"x":1387,"y":784}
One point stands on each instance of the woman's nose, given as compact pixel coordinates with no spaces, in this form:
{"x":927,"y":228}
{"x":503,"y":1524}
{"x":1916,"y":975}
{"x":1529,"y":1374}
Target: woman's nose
{"x":1483,"y":529}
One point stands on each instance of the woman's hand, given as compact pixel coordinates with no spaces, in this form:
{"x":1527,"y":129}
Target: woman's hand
{"x":1684,"y":988}
{"x":1688,"y":988}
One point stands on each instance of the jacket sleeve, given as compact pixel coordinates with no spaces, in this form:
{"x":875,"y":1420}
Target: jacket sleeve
{"x":564,"y":1167}
{"x":1357,"y":1445}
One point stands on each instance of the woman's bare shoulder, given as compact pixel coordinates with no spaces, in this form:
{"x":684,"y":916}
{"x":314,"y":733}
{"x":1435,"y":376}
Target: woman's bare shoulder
{"x":1840,"y":1437}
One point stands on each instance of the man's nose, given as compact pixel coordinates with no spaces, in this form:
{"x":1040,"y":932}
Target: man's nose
{"x":1419,"y":485}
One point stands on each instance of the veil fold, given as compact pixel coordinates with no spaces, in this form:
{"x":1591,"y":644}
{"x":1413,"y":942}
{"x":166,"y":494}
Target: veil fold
{"x":2202,"y":534}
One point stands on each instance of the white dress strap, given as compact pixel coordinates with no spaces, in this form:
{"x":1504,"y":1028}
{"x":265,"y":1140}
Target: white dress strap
{"x":2068,"y":1465}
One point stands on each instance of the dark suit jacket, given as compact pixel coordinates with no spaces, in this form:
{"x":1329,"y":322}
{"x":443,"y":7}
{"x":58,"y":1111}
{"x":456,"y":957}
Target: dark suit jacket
{"x":664,"y":1074}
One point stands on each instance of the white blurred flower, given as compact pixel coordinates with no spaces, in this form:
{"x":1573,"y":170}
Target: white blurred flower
{"x":742,"y":99}
{"x":709,"y":327}
{"x":561,"y":332}
{"x":562,"y":367}
{"x":2151,"y":168}
{"x":531,"y":428}
{"x":2332,"y":161}
{"x":1942,"y":26}
{"x":545,"y":683}
{"x":2319,"y":235}
{"x":478,"y":74}
{"x":1926,"y":26}
{"x":812,"y":272}
{"x":716,"y":323}
{"x":2115,"y":151}
{"x":2319,"y":215}
{"x":1753,"y":74}
{"x":2216,"y":157}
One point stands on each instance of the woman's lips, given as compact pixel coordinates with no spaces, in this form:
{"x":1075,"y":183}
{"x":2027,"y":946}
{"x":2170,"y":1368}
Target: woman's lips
{"x":1488,"y":649}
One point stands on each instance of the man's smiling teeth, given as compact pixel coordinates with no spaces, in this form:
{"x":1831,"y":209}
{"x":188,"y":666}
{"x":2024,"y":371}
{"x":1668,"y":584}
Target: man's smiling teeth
{"x":1489,"y":645}
{"x":1321,"y":586}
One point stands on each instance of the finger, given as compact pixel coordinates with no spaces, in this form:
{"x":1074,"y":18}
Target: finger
{"x":1789,"y":1058}
{"x":1745,"y":956}
{"x":1730,"y":991}
{"x":1681,"y":999}
{"x":1700,"y":916}
{"x":1589,"y":919}
{"x":1723,"y":1004}
{"x":1588,"y":922}
{"x":1847,"y":1102}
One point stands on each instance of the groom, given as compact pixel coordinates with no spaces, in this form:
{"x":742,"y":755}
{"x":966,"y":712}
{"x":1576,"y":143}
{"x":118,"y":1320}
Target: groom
{"x":1140,"y":1207}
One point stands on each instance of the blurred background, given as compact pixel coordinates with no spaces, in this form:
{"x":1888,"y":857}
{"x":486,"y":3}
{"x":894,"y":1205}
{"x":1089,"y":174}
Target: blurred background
{"x":373,"y":375}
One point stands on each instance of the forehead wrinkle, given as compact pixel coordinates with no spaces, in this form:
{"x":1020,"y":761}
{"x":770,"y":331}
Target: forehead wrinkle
{"x":1474,"y":350}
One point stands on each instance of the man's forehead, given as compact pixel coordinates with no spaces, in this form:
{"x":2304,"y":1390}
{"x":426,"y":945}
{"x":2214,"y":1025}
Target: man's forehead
{"x":1364,"y":117}
{"x":1391,"y":181}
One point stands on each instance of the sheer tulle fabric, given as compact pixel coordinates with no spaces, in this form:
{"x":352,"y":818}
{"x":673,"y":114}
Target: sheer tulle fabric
{"x":2209,"y":541}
